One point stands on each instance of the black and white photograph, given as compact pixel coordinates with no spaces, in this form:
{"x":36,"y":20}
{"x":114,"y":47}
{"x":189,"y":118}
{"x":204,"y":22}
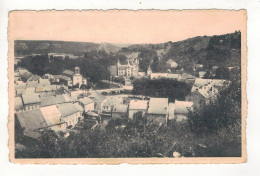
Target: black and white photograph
{"x":124,"y":84}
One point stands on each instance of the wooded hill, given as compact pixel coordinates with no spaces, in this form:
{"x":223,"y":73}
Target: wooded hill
{"x":221,"y":51}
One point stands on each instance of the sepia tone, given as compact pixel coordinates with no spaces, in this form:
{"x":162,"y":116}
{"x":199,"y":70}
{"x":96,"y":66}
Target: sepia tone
{"x":128,"y":84}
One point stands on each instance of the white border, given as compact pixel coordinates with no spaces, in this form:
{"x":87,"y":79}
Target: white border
{"x":253,"y":130}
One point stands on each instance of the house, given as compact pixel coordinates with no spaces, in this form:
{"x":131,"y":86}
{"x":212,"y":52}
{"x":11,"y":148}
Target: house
{"x":71,"y":78}
{"x":54,"y":100}
{"x":70,"y":113}
{"x":31,"y":101}
{"x":109,"y":102}
{"x":158,"y":75}
{"x":44,"y":82}
{"x":98,"y":99}
{"x":131,"y":68}
{"x":197,"y":98}
{"x":48,"y":90}
{"x":87,"y":104}
{"x":53,"y":118}
{"x":157,"y":110}
{"x":185,"y":77}
{"x":30,"y":123}
{"x":181,"y":109}
{"x":18,"y":104}
{"x":137,"y":106}
{"x":32,"y":83}
{"x":173,"y":76}
{"x":120,"y":111}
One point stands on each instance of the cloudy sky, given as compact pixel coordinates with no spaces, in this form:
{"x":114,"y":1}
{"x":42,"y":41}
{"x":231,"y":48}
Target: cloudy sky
{"x":123,"y":26}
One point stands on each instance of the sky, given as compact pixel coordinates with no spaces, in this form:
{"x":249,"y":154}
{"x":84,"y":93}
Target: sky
{"x":126,"y":27}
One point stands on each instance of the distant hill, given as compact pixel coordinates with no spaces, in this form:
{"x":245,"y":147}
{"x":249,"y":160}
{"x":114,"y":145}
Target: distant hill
{"x":221,"y":50}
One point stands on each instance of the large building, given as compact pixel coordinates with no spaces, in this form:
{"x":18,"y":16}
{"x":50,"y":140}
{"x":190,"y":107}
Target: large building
{"x":71,"y":78}
{"x":131,"y":68}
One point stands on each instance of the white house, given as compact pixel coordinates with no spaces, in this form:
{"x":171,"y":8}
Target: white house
{"x":87,"y":104}
{"x":137,"y":106}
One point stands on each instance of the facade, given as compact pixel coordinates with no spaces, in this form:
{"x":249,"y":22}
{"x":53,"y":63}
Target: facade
{"x":119,"y":111}
{"x":181,"y":109}
{"x":137,"y":106}
{"x":70,"y":113}
{"x":31,"y":101}
{"x":87,"y":104}
{"x":53,"y":118}
{"x":71,"y":78}
{"x":98,"y":99}
{"x":129,"y":69}
{"x":157,"y":110}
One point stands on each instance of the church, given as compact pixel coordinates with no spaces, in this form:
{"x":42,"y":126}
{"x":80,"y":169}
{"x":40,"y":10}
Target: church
{"x":71,"y":78}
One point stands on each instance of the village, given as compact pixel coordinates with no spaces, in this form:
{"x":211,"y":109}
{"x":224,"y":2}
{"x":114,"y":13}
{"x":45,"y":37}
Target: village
{"x":63,"y":103}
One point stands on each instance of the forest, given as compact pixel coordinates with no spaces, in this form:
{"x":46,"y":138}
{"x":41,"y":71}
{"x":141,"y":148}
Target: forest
{"x":164,"y":88}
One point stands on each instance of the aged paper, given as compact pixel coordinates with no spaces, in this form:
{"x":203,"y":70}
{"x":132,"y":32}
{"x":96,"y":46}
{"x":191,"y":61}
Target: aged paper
{"x":61,"y":54}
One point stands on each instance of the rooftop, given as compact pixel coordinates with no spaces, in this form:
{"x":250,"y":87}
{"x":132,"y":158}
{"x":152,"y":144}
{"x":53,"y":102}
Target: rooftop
{"x":18,"y":103}
{"x":67,"y":109}
{"x":182,"y":107}
{"x":120,"y":108}
{"x":31,"y":98}
{"x":138,"y":104}
{"x":158,"y":106}
{"x":86,"y":100}
{"x":51,"y":115}
{"x":53,"y":100}
{"x":31,"y":122}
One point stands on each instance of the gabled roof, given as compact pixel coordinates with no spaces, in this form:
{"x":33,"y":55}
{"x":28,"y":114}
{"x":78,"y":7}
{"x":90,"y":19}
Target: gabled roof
{"x":18,"y":103}
{"x":44,"y":82}
{"x":158,"y":106}
{"x":96,"y":96}
{"x":31,"y":98}
{"x":120,"y":108}
{"x":20,"y":86}
{"x":54,"y":100}
{"x":67,"y":109}
{"x":51,"y":115}
{"x":20,"y":91}
{"x":32,"y":84}
{"x":138,"y":104}
{"x":29,"y":90}
{"x":31,"y":122}
{"x":112,"y":100}
{"x":86,"y":100}
{"x":182,"y":107}
{"x":34,"y":78}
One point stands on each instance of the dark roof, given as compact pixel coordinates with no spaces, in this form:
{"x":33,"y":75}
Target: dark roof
{"x":18,"y":103}
{"x":31,"y":122}
{"x":47,"y":101}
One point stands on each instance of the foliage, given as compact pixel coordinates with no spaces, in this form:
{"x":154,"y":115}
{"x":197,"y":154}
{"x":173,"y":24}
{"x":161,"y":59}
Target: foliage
{"x":165,"y":88}
{"x":225,"y":111}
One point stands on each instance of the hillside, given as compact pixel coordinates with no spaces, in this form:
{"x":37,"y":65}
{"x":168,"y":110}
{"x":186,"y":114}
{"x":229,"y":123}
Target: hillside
{"x":222,"y":50}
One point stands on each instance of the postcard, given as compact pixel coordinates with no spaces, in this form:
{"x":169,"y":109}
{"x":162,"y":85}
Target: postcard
{"x":122,"y":86}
